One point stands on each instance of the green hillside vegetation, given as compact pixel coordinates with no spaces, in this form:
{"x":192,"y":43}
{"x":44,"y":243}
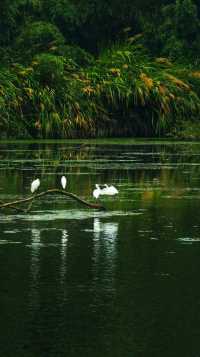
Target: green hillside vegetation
{"x":70,"y":69}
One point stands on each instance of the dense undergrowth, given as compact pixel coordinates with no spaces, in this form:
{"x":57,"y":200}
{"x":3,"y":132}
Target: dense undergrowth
{"x":134,"y":85}
{"x":123,"y":92}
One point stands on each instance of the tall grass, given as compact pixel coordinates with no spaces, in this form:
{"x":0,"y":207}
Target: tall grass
{"x":123,"y":92}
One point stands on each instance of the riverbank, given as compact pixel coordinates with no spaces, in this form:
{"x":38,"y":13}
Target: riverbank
{"x":123,"y":92}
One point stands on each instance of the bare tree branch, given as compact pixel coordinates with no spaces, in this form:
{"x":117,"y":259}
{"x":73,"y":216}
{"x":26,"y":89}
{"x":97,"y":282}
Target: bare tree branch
{"x":41,"y":194}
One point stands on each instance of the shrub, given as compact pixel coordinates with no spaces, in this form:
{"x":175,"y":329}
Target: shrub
{"x":38,"y":37}
{"x":49,"y":69}
{"x":124,"y":92}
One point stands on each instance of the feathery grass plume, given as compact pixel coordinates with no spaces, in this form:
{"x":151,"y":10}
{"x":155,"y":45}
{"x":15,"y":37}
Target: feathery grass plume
{"x":178,"y":82}
{"x":195,"y":74}
{"x":123,"y":92}
{"x":147,"y":80}
{"x":163,"y":61}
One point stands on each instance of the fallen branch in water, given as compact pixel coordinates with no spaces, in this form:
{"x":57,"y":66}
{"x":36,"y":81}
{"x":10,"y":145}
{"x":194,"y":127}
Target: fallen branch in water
{"x":41,"y":194}
{"x":15,"y":208}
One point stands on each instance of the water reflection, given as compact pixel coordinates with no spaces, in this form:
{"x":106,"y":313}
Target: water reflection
{"x":117,"y":283}
{"x":107,"y":230}
{"x":34,"y":269}
{"x":105,"y":251}
{"x":35,"y":253}
{"x":63,"y":264}
{"x":155,"y":168}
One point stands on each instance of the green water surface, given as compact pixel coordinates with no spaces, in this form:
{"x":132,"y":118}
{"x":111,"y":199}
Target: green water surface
{"x":124,"y":282}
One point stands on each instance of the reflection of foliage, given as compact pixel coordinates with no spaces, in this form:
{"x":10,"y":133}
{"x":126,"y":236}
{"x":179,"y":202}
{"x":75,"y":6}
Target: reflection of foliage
{"x":155,"y":171}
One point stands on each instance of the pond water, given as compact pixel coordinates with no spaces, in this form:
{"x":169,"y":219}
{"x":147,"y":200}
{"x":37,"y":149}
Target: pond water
{"x":116,"y":283}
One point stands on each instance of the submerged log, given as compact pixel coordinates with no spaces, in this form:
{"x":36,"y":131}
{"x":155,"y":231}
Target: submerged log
{"x":30,"y":199}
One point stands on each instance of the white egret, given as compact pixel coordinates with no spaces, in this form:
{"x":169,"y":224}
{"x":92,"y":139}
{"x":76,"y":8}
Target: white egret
{"x":105,"y":189}
{"x":34,"y":185}
{"x":63,"y":182}
{"x":97,"y":191}
{"x":109,"y":190}
{"x":112,"y":190}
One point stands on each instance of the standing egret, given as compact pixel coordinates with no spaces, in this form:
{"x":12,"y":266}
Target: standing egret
{"x":63,"y":182}
{"x":109,"y":190}
{"x":96,"y":192}
{"x":112,"y":190}
{"x":105,"y":189}
{"x":34,"y":185}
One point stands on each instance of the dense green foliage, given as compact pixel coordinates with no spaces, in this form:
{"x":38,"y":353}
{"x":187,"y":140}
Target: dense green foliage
{"x":83,"y":69}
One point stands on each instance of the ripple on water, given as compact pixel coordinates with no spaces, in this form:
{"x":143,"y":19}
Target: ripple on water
{"x":42,"y":245}
{"x":13,"y":231}
{"x":66,"y":215}
{"x":4,"y":241}
{"x":48,"y":229}
{"x":189,"y":240}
